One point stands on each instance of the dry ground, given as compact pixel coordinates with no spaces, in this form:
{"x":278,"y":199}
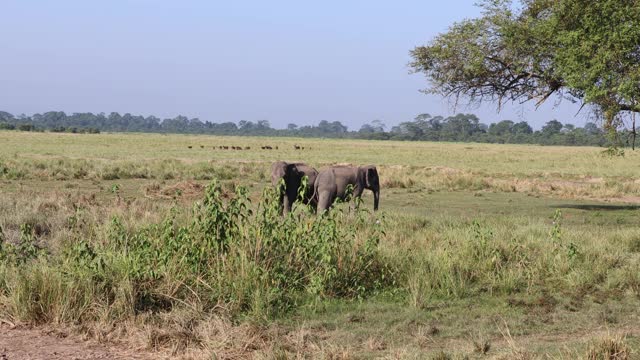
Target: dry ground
{"x":56,"y":344}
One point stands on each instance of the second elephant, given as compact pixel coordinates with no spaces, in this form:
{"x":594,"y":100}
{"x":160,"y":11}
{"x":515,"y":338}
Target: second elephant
{"x":332,"y":184}
{"x":292,"y":174}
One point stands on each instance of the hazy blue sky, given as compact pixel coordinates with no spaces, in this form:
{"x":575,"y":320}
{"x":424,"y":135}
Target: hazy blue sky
{"x":283,"y":61}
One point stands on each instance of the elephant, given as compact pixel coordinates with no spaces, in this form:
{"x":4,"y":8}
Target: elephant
{"x":331,"y":184}
{"x":292,"y":174}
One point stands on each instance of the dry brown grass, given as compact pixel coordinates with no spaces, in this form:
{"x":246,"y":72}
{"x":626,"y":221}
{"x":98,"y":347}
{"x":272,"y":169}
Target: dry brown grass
{"x":183,"y":189}
{"x":449,"y":179}
{"x":608,"y":348}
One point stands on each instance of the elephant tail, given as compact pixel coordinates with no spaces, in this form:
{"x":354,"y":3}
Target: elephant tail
{"x":314,"y":195}
{"x":314,"y":199}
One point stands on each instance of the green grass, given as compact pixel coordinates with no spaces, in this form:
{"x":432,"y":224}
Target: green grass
{"x":453,"y":326}
{"x":514,"y":251}
{"x":525,"y":160}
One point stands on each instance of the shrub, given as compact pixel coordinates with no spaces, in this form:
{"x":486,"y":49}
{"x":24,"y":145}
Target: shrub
{"x":247,"y":260}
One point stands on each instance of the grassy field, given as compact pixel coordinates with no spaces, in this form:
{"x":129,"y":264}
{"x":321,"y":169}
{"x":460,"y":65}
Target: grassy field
{"x":482,"y":251}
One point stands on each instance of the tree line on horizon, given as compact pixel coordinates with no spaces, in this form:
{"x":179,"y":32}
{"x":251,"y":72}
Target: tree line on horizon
{"x":424,"y":127}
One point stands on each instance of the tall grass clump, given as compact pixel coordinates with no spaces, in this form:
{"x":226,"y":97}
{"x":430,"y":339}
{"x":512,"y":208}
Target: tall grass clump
{"x":463,"y":258}
{"x":228,"y":256}
{"x":608,"y":348}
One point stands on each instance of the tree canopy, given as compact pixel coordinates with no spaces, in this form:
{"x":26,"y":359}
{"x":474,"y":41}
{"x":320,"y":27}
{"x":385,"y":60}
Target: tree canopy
{"x":530,"y":50}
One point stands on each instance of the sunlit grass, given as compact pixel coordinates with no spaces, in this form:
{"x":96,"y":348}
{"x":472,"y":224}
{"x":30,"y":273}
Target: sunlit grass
{"x":479,"y":239}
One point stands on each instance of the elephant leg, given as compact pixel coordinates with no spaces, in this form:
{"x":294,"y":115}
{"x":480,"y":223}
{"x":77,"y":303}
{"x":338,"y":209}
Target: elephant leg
{"x":313,"y":206}
{"x":324,"y":202}
{"x":357,"y":198}
{"x":291,"y":196}
{"x":310,"y":201}
{"x":376,"y":199}
{"x":286,"y":204}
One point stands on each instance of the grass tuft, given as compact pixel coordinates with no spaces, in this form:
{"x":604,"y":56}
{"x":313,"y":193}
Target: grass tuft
{"x":609,"y":348}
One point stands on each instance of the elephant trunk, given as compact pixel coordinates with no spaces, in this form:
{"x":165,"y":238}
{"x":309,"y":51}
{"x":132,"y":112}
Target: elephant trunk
{"x":290,"y":195}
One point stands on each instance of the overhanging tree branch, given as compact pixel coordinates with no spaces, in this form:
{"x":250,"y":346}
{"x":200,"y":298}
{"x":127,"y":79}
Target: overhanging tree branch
{"x":584,"y":49}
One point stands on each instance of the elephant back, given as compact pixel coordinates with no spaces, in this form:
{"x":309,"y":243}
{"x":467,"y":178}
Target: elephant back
{"x":309,"y":171}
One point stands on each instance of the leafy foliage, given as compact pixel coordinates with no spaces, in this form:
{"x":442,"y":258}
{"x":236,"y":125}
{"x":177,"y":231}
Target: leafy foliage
{"x":24,"y":250}
{"x":580,"y":49}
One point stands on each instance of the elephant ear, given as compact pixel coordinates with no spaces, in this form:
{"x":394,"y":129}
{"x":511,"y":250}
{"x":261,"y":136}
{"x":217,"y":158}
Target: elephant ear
{"x":278,"y":171}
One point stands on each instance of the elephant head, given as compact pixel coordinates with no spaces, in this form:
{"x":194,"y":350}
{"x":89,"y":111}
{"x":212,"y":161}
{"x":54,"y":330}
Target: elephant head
{"x":282,"y":170}
{"x":372,"y":182}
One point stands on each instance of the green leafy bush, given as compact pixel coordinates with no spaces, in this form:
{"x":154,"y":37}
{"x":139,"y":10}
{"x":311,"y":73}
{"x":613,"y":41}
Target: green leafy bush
{"x":230,"y":255}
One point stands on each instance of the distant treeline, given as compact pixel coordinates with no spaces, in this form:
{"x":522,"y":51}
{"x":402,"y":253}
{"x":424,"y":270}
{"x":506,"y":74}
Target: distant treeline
{"x":461,"y":127}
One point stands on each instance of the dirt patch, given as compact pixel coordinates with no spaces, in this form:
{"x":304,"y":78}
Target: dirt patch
{"x":628,"y":199}
{"x":184,"y":189}
{"x":25,"y":343}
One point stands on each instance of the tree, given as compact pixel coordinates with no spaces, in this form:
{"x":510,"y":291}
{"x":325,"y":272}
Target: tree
{"x":408,"y":130}
{"x":460,"y":127}
{"x":338,"y":128}
{"x":501,"y":128}
{"x":114,"y":121}
{"x":263,"y":125}
{"x":335,"y":127}
{"x":583,"y":50}
{"x":378,"y":126}
{"x":366,"y":129}
{"x":374,"y":131}
{"x":522,"y":128}
{"x":592,"y":129}
{"x":5,"y":116}
{"x":551,"y":128}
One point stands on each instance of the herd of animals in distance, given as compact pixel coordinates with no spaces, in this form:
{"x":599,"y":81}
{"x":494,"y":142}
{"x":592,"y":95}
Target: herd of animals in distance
{"x":264,"y":147}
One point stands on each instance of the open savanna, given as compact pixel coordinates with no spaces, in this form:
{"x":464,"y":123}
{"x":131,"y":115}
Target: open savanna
{"x":478,"y":251}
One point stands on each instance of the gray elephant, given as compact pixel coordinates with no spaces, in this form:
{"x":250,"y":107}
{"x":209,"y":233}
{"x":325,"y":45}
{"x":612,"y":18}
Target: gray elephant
{"x":292,"y":174}
{"x":332,"y":183}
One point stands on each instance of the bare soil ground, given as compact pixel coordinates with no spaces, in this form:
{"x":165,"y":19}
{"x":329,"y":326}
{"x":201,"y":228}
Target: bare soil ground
{"x":34,"y":344}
